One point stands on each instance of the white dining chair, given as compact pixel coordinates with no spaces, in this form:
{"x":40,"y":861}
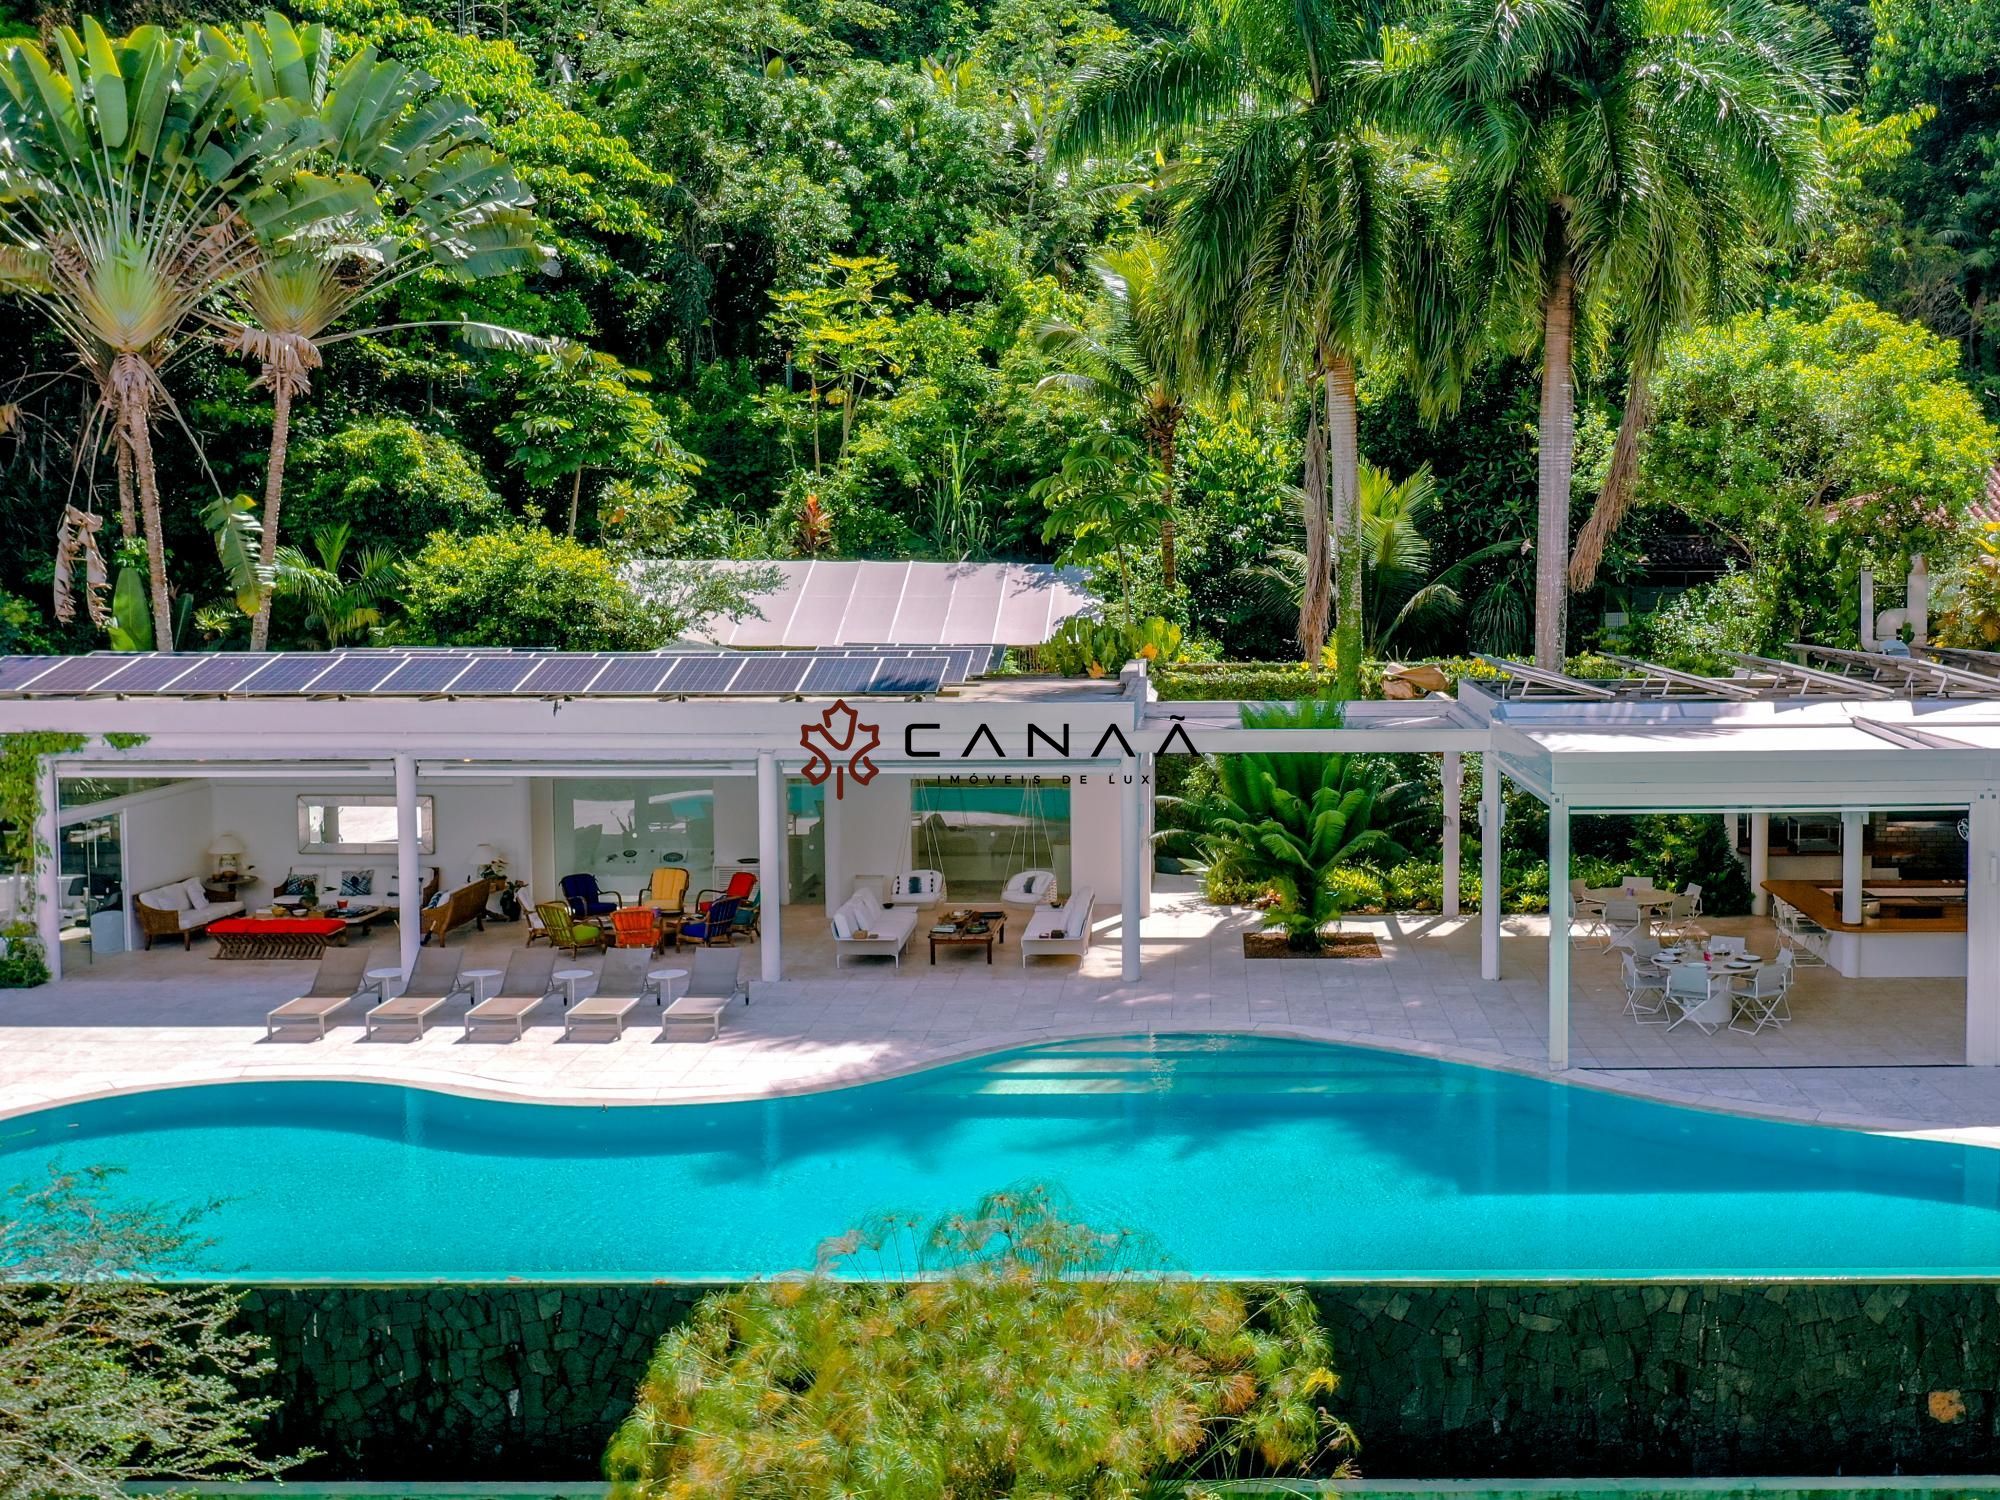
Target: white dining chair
{"x":1788,"y":974}
{"x":1645,"y":994}
{"x":1674,"y":920}
{"x":1687,"y":993}
{"x":1584,"y":910}
{"x":1622,"y":919}
{"x":1755,"y":998}
{"x":1692,"y":891}
{"x":1728,"y":945}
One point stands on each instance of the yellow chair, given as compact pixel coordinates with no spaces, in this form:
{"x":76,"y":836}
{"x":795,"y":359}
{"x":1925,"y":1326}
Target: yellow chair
{"x":668,"y":892}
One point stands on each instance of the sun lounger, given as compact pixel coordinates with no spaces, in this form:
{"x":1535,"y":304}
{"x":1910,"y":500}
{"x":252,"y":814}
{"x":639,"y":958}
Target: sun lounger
{"x":619,"y":986}
{"x":434,"y":983}
{"x":712,"y":984}
{"x":529,"y":978}
{"x":340,"y":976}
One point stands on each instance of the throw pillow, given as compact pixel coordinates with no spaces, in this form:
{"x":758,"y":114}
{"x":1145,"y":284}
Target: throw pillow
{"x":296,"y":884}
{"x":437,"y":899}
{"x":357,"y":882}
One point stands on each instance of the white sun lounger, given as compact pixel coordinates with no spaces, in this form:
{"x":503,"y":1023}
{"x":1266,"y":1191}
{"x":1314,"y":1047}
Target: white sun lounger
{"x":619,"y":984}
{"x":529,"y":978}
{"x":712,"y":984}
{"x":434,"y":983}
{"x":339,"y":978}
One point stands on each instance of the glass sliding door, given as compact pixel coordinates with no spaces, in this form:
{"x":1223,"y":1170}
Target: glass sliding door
{"x":620,"y":828}
{"x":92,"y":886}
{"x":805,"y":841}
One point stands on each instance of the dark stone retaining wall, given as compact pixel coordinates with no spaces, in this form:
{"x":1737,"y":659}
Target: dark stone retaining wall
{"x":1462,"y":1380}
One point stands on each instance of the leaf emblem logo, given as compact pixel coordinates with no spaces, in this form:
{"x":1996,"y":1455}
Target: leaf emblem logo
{"x":840,"y":743}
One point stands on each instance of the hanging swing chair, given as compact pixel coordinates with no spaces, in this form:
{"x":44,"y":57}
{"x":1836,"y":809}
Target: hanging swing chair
{"x":922,"y":886}
{"x":1030,"y":885}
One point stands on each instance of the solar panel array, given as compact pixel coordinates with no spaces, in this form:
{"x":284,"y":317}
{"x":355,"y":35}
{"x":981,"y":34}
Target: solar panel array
{"x":445,"y":672}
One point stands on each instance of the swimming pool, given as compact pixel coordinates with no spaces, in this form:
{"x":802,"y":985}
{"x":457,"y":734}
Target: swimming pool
{"x":1240,"y":1156}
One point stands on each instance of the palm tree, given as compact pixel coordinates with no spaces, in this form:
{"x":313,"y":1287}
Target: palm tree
{"x":1608,"y":158}
{"x":1295,"y":230}
{"x":1131,"y":365}
{"x":140,"y":177}
{"x":342,"y":604}
{"x":444,"y":201}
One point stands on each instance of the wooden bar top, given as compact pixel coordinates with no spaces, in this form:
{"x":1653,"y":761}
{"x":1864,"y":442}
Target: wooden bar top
{"x":1822,"y":904}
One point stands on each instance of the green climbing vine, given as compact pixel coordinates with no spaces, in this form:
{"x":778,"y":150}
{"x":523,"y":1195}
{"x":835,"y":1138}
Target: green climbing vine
{"x":23,"y":964}
{"x":119,"y":740}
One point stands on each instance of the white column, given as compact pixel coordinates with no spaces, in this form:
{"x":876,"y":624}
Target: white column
{"x":47,"y":871}
{"x":1558,"y":934}
{"x":1760,"y":861}
{"x":409,"y":878}
{"x":1982,"y":922}
{"x":1853,"y":829}
{"x":1132,"y":841}
{"x":771,"y":861}
{"x":1489,"y":865}
{"x":1454,"y":774}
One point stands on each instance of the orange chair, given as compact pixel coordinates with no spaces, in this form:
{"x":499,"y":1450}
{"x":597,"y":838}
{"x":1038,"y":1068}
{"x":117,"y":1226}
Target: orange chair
{"x":635,"y":927}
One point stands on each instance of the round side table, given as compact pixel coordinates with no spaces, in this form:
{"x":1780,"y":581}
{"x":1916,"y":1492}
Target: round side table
{"x":379,"y":980}
{"x":663,"y":984}
{"x":482,"y":981}
{"x":568,"y":978}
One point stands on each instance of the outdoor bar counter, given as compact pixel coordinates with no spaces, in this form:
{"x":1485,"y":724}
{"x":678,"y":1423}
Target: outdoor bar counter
{"x":1910,"y":929}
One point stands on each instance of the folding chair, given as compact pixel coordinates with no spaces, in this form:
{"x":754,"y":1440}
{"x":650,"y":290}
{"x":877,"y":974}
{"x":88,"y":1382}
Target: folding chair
{"x":1645,"y":995}
{"x":1755,"y":998}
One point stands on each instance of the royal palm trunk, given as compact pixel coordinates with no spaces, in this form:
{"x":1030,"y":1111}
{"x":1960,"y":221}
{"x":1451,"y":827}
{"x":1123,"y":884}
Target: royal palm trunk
{"x":1343,"y":481}
{"x":1558,"y":455}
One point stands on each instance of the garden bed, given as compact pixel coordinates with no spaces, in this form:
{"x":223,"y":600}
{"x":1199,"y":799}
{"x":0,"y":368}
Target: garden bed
{"x":1331,"y":945}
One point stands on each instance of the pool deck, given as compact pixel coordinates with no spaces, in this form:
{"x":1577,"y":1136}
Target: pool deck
{"x":1871,"y":1054}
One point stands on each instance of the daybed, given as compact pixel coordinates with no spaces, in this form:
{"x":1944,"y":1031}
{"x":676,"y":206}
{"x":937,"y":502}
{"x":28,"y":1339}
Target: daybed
{"x":1061,"y":929}
{"x":864,"y":927}
{"x":180,"y":910}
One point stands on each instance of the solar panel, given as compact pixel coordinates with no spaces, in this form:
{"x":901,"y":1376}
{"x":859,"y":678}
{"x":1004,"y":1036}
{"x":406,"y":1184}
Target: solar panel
{"x":147,"y":674}
{"x":702,"y":674}
{"x":218,"y":674}
{"x":288,"y":674}
{"x":910,"y":674}
{"x":494,"y":674}
{"x":563,"y":674}
{"x":633,"y":674}
{"x":841,"y":674}
{"x":770,"y":674}
{"x":357,"y":673}
{"x":77,"y":674}
{"x":423,"y":674}
{"x":17,"y":670}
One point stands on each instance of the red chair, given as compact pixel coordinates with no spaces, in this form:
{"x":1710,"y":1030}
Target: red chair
{"x":741,"y":884}
{"x":635,"y":927}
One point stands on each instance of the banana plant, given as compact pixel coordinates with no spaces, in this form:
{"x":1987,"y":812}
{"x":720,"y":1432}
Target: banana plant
{"x":232,"y":521}
{"x":442,"y":201}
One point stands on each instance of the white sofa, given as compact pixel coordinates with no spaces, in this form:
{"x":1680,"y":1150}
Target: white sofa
{"x":180,"y":910}
{"x":888,"y":928}
{"x":1061,"y":929}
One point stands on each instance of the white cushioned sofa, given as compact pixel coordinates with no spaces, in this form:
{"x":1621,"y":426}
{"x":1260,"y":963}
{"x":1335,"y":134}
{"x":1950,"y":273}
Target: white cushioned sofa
{"x":1059,"y":930}
{"x":179,"y":910}
{"x":888,"y":928}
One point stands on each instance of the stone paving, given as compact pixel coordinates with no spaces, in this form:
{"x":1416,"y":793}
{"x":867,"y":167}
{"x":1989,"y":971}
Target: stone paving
{"x":1872,"y":1053}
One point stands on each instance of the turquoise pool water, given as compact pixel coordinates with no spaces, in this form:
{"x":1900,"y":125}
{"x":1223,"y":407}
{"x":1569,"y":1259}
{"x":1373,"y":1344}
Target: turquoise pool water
{"x":1240,"y":1156}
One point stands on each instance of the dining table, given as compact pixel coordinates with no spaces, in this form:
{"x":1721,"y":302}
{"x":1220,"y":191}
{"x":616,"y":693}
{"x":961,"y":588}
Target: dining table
{"x":1722,"y":969}
{"x":1646,"y":898}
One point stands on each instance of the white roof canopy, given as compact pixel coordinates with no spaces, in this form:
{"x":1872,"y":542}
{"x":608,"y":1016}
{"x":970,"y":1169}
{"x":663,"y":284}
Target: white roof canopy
{"x":907,"y":604}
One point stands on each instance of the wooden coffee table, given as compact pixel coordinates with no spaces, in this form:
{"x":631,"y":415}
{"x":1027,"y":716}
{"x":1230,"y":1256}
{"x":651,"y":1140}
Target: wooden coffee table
{"x":977,"y":929}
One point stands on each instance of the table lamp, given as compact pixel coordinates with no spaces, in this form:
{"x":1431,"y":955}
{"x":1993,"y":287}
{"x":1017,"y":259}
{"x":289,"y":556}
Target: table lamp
{"x":227,"y":851}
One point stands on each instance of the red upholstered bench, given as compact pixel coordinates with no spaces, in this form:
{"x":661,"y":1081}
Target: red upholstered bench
{"x":275,"y":937}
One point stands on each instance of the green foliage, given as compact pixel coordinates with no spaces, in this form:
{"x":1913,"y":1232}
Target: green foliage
{"x":1819,"y":442}
{"x":107,"y":1375}
{"x":21,"y":756}
{"x":23,"y":963}
{"x":1696,"y":630}
{"x":392,"y":482}
{"x":1415,"y":885}
{"x":1025,"y":1360}
{"x":1083,"y":647}
{"x":339,"y":602}
{"x":523,"y":586}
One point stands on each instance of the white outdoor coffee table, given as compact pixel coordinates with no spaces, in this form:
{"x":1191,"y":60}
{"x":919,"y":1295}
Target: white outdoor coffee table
{"x":481,"y":980}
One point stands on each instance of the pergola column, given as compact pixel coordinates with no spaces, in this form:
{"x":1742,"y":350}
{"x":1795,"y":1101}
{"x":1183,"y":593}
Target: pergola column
{"x":1982,"y":932}
{"x":1760,"y":861}
{"x":1853,"y":832}
{"x":1558,"y":934}
{"x":1489,"y":865}
{"x":47,"y":870}
{"x":409,"y":879}
{"x":1131,"y":842}
{"x":770,"y":861}
{"x":1454,"y":774}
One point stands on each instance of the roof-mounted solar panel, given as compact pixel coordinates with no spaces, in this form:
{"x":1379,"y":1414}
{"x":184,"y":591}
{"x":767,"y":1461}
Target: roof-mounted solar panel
{"x":769,"y":674}
{"x":702,"y":674}
{"x":423,"y":674}
{"x":357,"y":673}
{"x":494,"y":674}
{"x":220,"y":673}
{"x":150,"y":673}
{"x":909,"y":674}
{"x":18,"y":671}
{"x":563,"y":674}
{"x":633,"y":674}
{"x":78,"y":674}
{"x":288,"y":674}
{"x":840,"y":674}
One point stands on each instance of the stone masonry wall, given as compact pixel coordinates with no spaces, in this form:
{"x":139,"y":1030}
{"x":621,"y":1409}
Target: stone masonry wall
{"x":1462,"y":1380}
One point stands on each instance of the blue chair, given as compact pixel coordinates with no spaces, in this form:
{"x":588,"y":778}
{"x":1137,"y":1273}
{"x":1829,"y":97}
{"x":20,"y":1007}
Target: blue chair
{"x":714,"y":928}
{"x":586,"y":900}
